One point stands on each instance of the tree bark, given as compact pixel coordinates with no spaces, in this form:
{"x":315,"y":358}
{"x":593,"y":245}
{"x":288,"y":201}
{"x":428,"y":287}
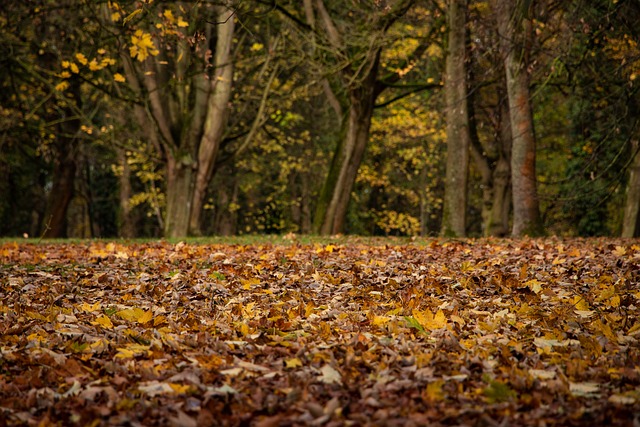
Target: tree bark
{"x":360,"y":88}
{"x":217,"y":117}
{"x":180,"y":180}
{"x":631,"y":222}
{"x":498,"y":222}
{"x":185,"y":116}
{"x":331,"y":208}
{"x":514,"y":30}
{"x":494,"y":163}
{"x":458,"y":135}
{"x":62,"y":190}
{"x":126,"y":228}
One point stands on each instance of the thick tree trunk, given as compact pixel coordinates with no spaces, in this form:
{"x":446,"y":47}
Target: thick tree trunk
{"x":180,"y":179}
{"x":62,"y":190}
{"x":514,"y":31}
{"x":458,"y":136}
{"x":331,"y":208}
{"x":216,"y":119}
{"x":631,"y":222}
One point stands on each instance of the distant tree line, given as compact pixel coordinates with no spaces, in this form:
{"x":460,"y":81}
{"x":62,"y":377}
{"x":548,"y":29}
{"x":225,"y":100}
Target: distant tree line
{"x":374,"y":117}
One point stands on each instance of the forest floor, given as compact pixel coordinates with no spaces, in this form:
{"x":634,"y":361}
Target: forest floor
{"x":352,"y":332}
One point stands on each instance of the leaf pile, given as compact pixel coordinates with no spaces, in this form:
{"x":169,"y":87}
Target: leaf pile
{"x":477,"y":332}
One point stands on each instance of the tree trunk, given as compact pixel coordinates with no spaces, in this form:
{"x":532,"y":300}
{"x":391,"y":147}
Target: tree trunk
{"x":631,"y":222}
{"x":458,"y":136}
{"x":62,"y":190}
{"x":494,"y":165}
{"x":331,"y":208}
{"x":216,"y":119}
{"x":125,"y":221}
{"x":180,"y":179}
{"x":498,"y":223}
{"x":514,"y":30}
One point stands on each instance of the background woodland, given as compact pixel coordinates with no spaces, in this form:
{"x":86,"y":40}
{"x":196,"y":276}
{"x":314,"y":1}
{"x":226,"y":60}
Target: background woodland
{"x":371,"y":117}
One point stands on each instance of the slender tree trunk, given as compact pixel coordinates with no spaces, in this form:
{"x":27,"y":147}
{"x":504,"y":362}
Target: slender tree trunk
{"x":514,"y":30}
{"x":216,"y":119}
{"x":495,"y":168}
{"x":498,"y":224}
{"x":631,"y":222}
{"x":331,"y":208}
{"x":458,"y":135}
{"x":125,"y":221}
{"x":305,"y":201}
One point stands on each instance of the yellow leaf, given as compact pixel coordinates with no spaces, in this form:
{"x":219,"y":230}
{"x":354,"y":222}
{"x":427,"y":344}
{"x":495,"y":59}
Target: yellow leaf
{"x":580,"y":303}
{"x":132,"y":350}
{"x":103,"y":321}
{"x":620,"y":251}
{"x":182,"y":23}
{"x":62,"y":86}
{"x":159,"y":320}
{"x":607,"y":293}
{"x":81,"y":58}
{"x":459,"y":320}
{"x":90,"y":308}
{"x":604,"y":329}
{"x":248,"y":283}
{"x":118,"y":77}
{"x":94,"y":66}
{"x":534,"y":285}
{"x":146,"y":317}
{"x":142,"y":46}
{"x":635,"y":329}
{"x":131,"y":314}
{"x":131,"y":16}
{"x":180,"y":388}
{"x":99,"y":346}
{"x":380,"y":320}
{"x":433,"y":392}
{"x":430,"y":321}
{"x":293,"y":363}
{"x":168,"y":14}
{"x":614,"y":301}
{"x":243,"y":328}
{"x":124,"y":353}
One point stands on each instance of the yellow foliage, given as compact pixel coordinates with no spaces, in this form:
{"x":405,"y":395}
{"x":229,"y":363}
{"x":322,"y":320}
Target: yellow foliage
{"x":81,"y":58}
{"x":94,"y":66}
{"x":142,"y":46}
{"x":397,"y":221}
{"x":62,"y":86}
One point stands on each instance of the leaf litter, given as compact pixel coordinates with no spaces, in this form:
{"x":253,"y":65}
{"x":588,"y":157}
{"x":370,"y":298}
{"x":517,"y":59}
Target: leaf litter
{"x":474,"y":332}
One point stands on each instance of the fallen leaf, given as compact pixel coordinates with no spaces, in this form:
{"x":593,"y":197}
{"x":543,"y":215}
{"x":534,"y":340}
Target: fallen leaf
{"x":330,"y":375}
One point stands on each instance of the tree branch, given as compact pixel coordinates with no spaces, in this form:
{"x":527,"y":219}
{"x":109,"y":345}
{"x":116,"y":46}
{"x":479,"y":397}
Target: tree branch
{"x":415,"y":89}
